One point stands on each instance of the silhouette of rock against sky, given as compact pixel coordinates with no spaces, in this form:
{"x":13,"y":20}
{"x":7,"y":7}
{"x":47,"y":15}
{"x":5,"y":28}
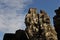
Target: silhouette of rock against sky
{"x":56,"y":20}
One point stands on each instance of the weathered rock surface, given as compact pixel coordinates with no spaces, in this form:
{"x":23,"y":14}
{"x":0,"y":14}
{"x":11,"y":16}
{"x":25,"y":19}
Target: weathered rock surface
{"x":38,"y":26}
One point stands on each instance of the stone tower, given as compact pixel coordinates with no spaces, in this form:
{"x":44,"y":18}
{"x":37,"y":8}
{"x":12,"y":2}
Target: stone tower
{"x":56,"y":20}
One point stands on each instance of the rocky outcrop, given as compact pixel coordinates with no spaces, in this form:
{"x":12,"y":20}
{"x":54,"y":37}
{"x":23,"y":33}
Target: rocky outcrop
{"x":38,"y":26}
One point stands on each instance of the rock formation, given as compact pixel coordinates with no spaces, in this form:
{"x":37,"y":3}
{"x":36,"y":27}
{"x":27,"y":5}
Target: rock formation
{"x":38,"y":27}
{"x":56,"y":20}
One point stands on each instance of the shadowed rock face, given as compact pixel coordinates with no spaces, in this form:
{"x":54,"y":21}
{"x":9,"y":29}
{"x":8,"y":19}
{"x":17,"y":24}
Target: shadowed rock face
{"x":56,"y":20}
{"x":9,"y":36}
{"x":19,"y":35}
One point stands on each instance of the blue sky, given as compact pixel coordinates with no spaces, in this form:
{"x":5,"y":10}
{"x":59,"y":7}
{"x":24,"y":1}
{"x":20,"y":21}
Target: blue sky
{"x":12,"y":13}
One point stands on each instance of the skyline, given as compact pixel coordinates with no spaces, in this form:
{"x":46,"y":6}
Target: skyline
{"x":12,"y":13}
